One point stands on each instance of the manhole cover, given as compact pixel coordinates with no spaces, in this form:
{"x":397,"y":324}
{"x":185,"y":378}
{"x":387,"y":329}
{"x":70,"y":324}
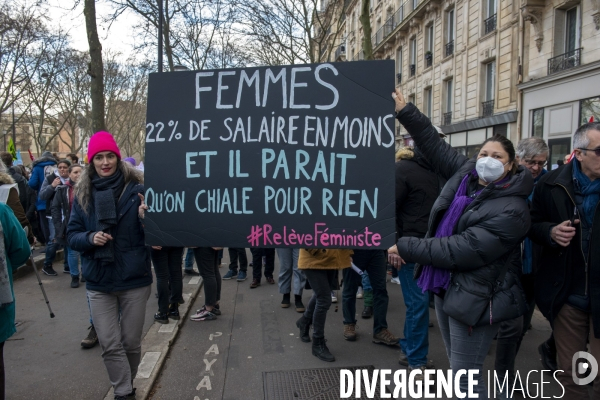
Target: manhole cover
{"x":314,"y":384}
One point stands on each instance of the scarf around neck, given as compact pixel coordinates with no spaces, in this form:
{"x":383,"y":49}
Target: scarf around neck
{"x":106,"y":193}
{"x":589,"y":191}
{"x":438,"y":279}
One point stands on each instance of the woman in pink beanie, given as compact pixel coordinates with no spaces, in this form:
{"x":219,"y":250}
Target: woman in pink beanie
{"x":106,"y":228}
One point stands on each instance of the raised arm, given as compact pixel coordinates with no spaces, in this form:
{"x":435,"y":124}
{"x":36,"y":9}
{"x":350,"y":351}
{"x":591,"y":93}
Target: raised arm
{"x":444,"y":159}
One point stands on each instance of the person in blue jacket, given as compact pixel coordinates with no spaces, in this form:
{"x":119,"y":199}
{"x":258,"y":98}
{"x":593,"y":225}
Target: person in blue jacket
{"x":105,"y":227}
{"x":14,"y":251}
{"x":41,"y":168}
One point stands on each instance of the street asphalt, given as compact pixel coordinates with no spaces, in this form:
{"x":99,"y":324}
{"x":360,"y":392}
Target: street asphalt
{"x":220,"y":359}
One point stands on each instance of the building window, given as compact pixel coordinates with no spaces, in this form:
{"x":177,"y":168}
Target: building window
{"x":449,"y":89}
{"x":490,"y":81}
{"x":571,"y":29}
{"x":413,"y":56}
{"x":399,"y":65}
{"x":537,"y":123}
{"x":449,"y":33}
{"x":427,"y":110}
{"x":589,"y":108}
{"x":489,"y":23}
{"x":415,"y":4}
{"x":429,"y":46}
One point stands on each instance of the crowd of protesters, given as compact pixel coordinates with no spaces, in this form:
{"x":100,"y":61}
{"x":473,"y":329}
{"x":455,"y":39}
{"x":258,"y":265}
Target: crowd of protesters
{"x":483,"y":240}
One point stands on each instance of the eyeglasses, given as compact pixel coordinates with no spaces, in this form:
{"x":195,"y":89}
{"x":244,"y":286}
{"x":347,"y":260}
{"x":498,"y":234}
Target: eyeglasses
{"x":596,"y":151}
{"x":531,"y":163}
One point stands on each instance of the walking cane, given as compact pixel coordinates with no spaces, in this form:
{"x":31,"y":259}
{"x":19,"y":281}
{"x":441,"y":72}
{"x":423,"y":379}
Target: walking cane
{"x":37,"y":274}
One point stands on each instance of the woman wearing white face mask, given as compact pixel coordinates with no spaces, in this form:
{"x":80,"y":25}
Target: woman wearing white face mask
{"x":472,"y":248}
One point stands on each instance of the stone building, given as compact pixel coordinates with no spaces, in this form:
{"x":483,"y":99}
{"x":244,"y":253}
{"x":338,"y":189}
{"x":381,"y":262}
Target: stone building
{"x":459,"y":61}
{"x":561,"y":70}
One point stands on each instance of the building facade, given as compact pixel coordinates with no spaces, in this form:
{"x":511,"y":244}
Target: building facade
{"x":561,"y":70}
{"x":472,"y":65}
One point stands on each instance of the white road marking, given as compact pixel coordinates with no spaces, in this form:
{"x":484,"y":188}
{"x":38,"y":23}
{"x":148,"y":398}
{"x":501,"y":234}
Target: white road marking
{"x":194,"y":280}
{"x":168,"y":328}
{"x":147,"y":365}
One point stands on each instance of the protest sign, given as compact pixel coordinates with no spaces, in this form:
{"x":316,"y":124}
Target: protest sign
{"x":286,"y":156}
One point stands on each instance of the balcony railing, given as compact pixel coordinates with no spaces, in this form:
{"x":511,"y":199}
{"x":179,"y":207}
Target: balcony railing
{"x":487,"y":108}
{"x":428,"y":59}
{"x":489,"y":25}
{"x":564,"y":61}
{"x":412,"y":68}
{"x":449,"y":48}
{"x":398,"y":16}
{"x":340,"y":51}
{"x":447,"y":118}
{"x":399,"y":78}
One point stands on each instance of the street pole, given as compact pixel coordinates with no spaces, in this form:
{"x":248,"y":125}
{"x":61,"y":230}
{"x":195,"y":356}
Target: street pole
{"x":160,"y":36}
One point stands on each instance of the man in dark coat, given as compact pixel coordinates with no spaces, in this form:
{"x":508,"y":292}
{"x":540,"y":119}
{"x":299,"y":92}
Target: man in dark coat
{"x":567,"y":287}
{"x":417,"y":188}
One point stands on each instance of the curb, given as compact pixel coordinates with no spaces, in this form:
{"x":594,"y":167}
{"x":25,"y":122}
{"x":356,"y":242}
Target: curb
{"x":25,"y":269}
{"x":157,"y":343}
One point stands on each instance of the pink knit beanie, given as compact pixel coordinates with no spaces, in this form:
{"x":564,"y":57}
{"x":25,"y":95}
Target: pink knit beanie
{"x":102,"y":141}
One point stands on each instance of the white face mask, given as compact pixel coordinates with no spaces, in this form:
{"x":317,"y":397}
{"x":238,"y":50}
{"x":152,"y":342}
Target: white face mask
{"x":489,"y":169}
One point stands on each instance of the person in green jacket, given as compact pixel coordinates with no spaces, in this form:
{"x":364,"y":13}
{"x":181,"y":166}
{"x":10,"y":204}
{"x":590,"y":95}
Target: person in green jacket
{"x":14,"y":251}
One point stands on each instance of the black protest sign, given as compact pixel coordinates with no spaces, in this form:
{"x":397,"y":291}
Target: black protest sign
{"x":286,"y":156}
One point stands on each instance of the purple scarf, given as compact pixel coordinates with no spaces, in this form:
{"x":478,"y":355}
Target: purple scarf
{"x":438,"y":279}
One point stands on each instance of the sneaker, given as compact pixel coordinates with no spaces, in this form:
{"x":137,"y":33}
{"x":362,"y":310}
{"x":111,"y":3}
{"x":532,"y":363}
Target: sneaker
{"x":241,"y":276}
{"x":255,"y":283}
{"x":173,"y":311}
{"x":298,"y":303}
{"x":91,"y":340}
{"x":82,"y":279}
{"x":350,"y":332}
{"x":230,"y":274}
{"x":74,"y":281}
{"x":130,"y":396}
{"x":191,"y":272}
{"x":270,"y":280}
{"x":203,"y":315}
{"x":385,"y":337}
{"x":162,"y":318}
{"x":395,"y":280}
{"x":333,"y":298}
{"x":48,"y":270}
{"x":216,"y":310}
{"x":548,"y":359}
{"x":66,"y":269}
{"x":285,"y":303}
{"x":359,"y":293}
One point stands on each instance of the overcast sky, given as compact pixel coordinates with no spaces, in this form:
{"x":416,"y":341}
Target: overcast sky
{"x":117,"y":38}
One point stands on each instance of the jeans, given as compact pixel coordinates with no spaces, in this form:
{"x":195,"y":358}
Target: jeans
{"x":319,"y":303}
{"x":289,"y":272}
{"x":257,"y":255}
{"x":72,"y":258}
{"x":169,"y":278}
{"x":51,"y":245}
{"x":236,"y":254}
{"x":466,"y":347}
{"x":415,"y":343}
{"x":374,"y":262}
{"x":189,"y":260}
{"x":367,"y":290}
{"x":121,"y":340}
{"x":208,"y":266}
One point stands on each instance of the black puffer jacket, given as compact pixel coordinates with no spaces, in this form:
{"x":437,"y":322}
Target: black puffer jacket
{"x":491,"y":228}
{"x":417,"y":188}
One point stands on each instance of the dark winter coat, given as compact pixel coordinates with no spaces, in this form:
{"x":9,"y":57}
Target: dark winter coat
{"x":38,"y":175}
{"x":131,"y":268}
{"x":21,"y":184}
{"x":417,"y":188}
{"x":559,"y":268}
{"x":491,"y":228}
{"x":61,"y":212}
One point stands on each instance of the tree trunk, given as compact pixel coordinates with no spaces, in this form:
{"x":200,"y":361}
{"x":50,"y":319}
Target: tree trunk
{"x":96,"y":67}
{"x":365,"y":21}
